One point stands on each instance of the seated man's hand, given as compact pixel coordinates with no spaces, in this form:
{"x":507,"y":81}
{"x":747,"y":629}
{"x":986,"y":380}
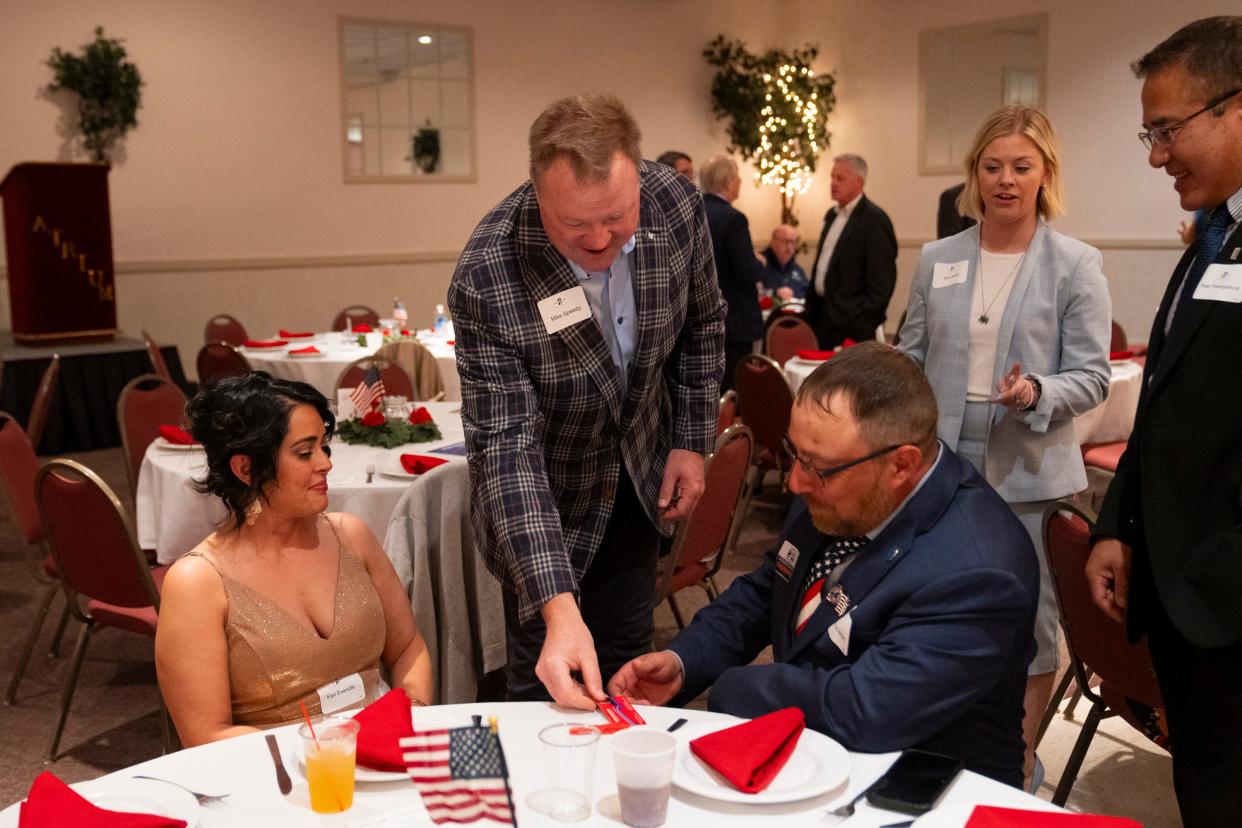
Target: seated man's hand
{"x":653,"y":678}
{"x":784,"y":293}
{"x":568,"y":646}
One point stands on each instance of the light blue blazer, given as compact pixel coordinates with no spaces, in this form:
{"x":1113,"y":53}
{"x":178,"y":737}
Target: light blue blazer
{"x":1056,"y":325}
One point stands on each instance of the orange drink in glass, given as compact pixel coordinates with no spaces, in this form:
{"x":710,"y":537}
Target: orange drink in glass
{"x":329,"y":756}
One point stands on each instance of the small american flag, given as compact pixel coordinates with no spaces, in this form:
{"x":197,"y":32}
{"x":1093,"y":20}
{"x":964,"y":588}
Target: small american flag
{"x":460,"y":774}
{"x":369,"y":393}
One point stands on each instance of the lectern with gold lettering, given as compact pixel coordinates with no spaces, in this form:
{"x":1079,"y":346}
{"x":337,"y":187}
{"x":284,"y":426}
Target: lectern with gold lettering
{"x":58,"y":237}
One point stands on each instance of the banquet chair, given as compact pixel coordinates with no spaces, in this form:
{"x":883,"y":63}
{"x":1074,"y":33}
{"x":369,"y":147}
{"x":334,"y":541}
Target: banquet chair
{"x":420,"y":364}
{"x":1118,"y":341}
{"x":158,"y":366}
{"x":43,"y":402}
{"x":706,"y":537}
{"x":96,"y":553}
{"x":728,"y":411}
{"x":764,"y":402}
{"x":397,"y":381}
{"x":18,"y":468}
{"x":224,"y":328}
{"x":786,"y":336}
{"x":146,"y":403}
{"x":1100,"y":460}
{"x":1096,"y":643}
{"x":357,"y":315}
{"x":220,"y":359}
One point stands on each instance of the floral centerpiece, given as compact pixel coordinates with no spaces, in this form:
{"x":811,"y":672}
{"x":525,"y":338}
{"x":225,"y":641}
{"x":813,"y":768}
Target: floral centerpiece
{"x":374,"y":429}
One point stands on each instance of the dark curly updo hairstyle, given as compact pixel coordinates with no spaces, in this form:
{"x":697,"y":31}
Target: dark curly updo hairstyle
{"x":247,"y":414}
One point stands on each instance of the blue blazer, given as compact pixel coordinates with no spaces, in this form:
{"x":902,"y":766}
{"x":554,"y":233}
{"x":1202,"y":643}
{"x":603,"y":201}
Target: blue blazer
{"x":737,"y":269}
{"x":942,"y":605}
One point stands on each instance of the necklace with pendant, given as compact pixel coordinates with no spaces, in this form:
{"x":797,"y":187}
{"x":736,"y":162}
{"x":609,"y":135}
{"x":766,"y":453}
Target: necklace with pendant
{"x":983,"y":317}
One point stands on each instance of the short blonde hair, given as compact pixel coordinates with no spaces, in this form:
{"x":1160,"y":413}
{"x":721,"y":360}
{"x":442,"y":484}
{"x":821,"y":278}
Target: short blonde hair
{"x":716,"y":174}
{"x":1015,"y":119}
{"x":587,"y":131}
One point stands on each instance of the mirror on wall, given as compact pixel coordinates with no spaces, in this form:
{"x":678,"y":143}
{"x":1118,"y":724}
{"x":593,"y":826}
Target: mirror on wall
{"x":407,"y":102}
{"x":966,"y":73}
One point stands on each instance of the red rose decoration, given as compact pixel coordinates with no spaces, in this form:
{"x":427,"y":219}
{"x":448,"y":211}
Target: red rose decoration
{"x":362,"y":327}
{"x":373,"y":419}
{"x":765,"y":303}
{"x":419,"y":416}
{"x":406,"y":332}
{"x":385,"y":331}
{"x":848,"y":343}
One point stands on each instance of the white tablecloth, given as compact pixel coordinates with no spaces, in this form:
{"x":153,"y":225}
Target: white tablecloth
{"x":173,"y":518}
{"x":242,"y":767}
{"x":338,"y":352}
{"x":1109,"y":422}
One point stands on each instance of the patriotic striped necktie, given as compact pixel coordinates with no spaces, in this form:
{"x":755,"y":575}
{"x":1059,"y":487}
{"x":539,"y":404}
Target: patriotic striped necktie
{"x":835,"y":550}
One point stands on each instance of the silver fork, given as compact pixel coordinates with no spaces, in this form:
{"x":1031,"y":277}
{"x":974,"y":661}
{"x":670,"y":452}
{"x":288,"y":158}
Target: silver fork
{"x":844,"y":812}
{"x":203,"y":799}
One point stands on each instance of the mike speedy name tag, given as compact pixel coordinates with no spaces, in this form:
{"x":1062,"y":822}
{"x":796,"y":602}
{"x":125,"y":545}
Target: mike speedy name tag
{"x":950,"y":273}
{"x":786,"y":560}
{"x":569,"y":307}
{"x":1221,"y":283}
{"x":339,"y":694}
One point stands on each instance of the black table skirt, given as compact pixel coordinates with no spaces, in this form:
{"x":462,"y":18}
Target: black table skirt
{"x":83,"y":412}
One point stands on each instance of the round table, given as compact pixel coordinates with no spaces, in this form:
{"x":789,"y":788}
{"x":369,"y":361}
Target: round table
{"x":242,"y":767}
{"x":173,"y":517}
{"x":339,"y":350}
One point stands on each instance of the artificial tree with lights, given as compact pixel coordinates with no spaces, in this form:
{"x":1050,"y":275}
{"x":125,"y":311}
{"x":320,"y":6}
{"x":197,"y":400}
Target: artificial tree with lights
{"x":776,"y":108}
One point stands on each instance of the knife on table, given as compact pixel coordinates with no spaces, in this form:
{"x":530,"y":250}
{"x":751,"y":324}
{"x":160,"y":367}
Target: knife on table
{"x":282,"y":775}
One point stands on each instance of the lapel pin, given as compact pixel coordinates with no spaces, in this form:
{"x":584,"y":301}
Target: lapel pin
{"x":838,"y":600}
{"x":891,"y":556}
{"x":651,"y":237}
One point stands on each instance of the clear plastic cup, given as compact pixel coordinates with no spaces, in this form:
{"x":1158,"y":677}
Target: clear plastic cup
{"x":644,"y":762}
{"x":330,"y":757}
{"x":569,"y":754}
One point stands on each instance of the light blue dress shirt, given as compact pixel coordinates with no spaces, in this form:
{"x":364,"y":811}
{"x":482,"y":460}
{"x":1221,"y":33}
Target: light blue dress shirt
{"x":610,"y":293}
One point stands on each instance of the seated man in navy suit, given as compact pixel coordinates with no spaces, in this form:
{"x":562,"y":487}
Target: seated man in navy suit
{"x":900,"y":600}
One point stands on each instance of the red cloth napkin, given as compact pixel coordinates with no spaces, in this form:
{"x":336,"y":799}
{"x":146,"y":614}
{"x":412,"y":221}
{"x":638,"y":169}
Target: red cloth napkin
{"x":176,"y":436}
{"x":419,"y":463}
{"x":750,"y":755}
{"x":384,"y":721}
{"x":362,"y":327}
{"x":1119,"y":355}
{"x":990,"y":816}
{"x":264,"y":343}
{"x":848,"y":343}
{"x":814,"y":356}
{"x":53,"y":804}
{"x":765,"y":302}
{"x":295,"y":334}
{"x":309,"y":349}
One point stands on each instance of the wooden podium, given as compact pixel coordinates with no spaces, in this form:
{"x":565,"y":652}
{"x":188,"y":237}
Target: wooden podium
{"x":58,"y":237}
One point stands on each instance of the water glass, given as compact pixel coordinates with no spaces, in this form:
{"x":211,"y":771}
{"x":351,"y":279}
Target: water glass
{"x":569,"y":753}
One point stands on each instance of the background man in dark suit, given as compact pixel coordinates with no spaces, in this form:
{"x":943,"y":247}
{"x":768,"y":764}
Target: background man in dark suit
{"x":737,"y":269}
{"x":1168,"y":551}
{"x":900,"y":602}
{"x":856,"y":264}
{"x":949,"y":220}
{"x":589,"y":329}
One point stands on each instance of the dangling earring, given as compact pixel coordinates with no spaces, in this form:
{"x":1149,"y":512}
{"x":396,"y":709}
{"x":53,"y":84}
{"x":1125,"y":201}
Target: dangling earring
{"x":253,"y":512}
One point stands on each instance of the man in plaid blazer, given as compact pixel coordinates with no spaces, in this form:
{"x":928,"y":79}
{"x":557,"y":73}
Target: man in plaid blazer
{"x":589,"y":332}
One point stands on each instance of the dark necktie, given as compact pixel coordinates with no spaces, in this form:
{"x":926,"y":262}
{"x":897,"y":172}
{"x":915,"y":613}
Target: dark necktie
{"x":1208,"y":241}
{"x":836,"y":549}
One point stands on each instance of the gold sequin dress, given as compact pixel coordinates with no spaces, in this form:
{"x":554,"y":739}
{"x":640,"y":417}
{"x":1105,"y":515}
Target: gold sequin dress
{"x":276,"y":661}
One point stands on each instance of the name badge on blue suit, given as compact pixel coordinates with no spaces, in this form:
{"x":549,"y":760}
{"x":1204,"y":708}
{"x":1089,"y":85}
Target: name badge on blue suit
{"x":786,"y":560}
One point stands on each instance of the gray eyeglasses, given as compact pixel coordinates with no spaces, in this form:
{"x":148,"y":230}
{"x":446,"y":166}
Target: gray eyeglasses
{"x":1163,"y":136}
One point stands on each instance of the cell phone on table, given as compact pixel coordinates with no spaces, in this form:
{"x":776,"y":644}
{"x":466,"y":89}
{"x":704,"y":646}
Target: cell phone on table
{"x":914,"y":782}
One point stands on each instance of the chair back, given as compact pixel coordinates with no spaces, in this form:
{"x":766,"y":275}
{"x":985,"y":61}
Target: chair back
{"x":43,"y":402}
{"x":158,"y":366}
{"x":728,"y":411}
{"x":146,"y":403}
{"x":220,"y":359}
{"x":357,"y":315}
{"x":786,"y":336}
{"x":764,"y":400}
{"x":92,"y":537}
{"x":419,"y":363}
{"x":1118,"y":341}
{"x":397,"y":381}
{"x":18,"y":469}
{"x":709,"y":530}
{"x":1095,"y":642}
{"x":224,"y":328}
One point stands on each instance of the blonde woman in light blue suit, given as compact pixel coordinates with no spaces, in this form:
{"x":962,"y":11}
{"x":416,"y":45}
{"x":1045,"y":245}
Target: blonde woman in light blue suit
{"x":1011,"y":323}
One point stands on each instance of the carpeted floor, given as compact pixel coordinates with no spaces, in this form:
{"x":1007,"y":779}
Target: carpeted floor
{"x":114,"y":721}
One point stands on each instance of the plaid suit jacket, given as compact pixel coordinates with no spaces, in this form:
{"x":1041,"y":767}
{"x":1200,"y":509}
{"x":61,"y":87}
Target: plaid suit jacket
{"x":547,"y":422}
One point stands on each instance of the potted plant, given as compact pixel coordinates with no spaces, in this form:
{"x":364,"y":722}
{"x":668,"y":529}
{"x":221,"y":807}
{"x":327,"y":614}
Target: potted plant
{"x":108,"y":89}
{"x":427,"y":148}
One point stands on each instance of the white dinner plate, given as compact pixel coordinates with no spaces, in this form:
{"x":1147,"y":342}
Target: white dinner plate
{"x":361,"y":774}
{"x":164,"y":445}
{"x":141,"y":796}
{"x":818,"y":765}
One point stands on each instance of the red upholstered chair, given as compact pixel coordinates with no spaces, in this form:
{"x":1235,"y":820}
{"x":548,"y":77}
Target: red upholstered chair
{"x":220,"y":359}
{"x":1101,"y":461}
{"x":146,"y":403}
{"x":92,"y":540}
{"x":786,"y":336}
{"x":357,"y":315}
{"x":764,"y":402}
{"x":397,"y":381}
{"x":18,"y":469}
{"x":1096,"y":643}
{"x":706,"y":537}
{"x":1118,"y":341}
{"x":224,"y":328}
{"x":158,"y":366}
{"x":43,"y":402}
{"x":728,"y":412}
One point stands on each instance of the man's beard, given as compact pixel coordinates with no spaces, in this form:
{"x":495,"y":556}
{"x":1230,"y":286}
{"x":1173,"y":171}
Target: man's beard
{"x":873,"y":508}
